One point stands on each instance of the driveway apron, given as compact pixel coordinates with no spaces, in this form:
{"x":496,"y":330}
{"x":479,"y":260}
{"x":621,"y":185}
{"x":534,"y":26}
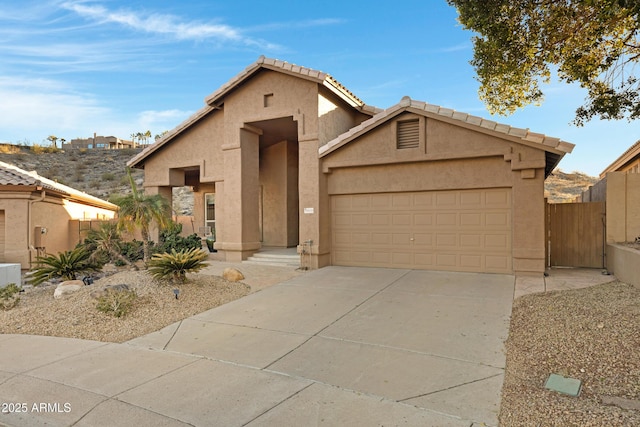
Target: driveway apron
{"x":335,"y":346}
{"x":428,"y":342}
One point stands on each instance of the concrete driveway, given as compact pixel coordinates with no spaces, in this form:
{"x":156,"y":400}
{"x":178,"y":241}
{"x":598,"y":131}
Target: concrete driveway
{"x":336,"y":346}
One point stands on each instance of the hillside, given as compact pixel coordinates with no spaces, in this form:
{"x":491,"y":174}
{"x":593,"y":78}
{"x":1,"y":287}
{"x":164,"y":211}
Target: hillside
{"x":102,"y":173}
{"x":565,"y":187}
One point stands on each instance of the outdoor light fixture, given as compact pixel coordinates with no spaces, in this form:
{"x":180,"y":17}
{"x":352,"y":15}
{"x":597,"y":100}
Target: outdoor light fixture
{"x":176,"y":292}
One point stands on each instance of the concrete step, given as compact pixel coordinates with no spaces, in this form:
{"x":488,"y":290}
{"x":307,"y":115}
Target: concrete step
{"x":281,"y":260}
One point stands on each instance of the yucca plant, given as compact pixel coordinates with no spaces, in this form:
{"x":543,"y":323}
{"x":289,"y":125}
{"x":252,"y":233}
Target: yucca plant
{"x":175,"y":265}
{"x":65,"y":265}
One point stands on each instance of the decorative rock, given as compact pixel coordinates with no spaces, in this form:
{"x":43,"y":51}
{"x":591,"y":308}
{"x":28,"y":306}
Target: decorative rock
{"x":101,"y":292}
{"x":67,"y":287}
{"x":232,"y":275}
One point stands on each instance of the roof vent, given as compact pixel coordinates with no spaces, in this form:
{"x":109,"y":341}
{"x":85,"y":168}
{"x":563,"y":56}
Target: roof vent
{"x":408,"y":135}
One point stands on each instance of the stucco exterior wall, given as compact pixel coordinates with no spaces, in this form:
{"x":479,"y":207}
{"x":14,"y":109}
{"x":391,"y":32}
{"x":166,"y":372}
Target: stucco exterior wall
{"x":623,"y":206}
{"x":334,"y":117}
{"x":16,"y":230}
{"x":199,"y":146}
{"x":449,"y":158}
{"x":624,"y":262}
{"x":25,"y":211}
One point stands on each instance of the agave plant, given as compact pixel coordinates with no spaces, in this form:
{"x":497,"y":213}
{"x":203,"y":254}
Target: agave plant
{"x":65,"y":265}
{"x":175,"y":265}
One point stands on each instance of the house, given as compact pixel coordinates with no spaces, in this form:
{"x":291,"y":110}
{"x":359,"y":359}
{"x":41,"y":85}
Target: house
{"x":39,"y":216}
{"x":286,"y":156}
{"x":619,"y":190}
{"x":99,"y":142}
{"x":628,"y":162}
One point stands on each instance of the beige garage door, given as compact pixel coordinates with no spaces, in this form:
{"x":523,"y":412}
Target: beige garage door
{"x":465,"y":230}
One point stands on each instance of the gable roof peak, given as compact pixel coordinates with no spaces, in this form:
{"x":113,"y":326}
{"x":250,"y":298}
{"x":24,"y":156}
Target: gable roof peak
{"x":554,"y":146}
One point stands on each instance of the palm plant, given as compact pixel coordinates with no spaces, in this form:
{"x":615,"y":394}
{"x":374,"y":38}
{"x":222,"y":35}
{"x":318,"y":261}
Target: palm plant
{"x":138,"y":210}
{"x":176,"y":265}
{"x":107,"y":240}
{"x":66,"y":265}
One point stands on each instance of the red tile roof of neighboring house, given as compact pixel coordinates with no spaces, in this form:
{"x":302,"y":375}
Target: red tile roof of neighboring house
{"x":14,"y":176}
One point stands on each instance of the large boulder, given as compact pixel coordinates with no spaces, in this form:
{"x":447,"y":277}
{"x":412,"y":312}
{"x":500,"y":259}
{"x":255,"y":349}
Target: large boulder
{"x":67,"y":287}
{"x":232,"y":275}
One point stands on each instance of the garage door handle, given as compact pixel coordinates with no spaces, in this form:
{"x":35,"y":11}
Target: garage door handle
{"x":412,"y":239}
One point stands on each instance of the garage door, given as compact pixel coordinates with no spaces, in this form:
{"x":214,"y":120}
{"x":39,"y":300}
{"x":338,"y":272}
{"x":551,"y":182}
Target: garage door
{"x":464,"y":230}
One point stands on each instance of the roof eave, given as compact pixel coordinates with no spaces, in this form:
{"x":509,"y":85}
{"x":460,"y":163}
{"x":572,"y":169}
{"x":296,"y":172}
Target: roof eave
{"x":626,"y":157}
{"x":554,"y":147}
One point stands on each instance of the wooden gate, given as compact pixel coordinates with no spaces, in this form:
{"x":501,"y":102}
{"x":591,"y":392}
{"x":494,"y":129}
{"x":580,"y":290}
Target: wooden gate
{"x":576,"y":234}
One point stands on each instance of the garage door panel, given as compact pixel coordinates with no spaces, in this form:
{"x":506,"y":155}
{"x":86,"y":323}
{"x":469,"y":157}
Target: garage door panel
{"x":471,"y":262}
{"x":447,"y":218}
{"x":465,"y":230}
{"x":499,"y":198}
{"x":471,"y":241}
{"x":381,"y":238}
{"x":471,"y":219}
{"x":402,"y":219}
{"x":422,"y":219}
{"x":446,"y":199}
{"x":380,"y":219}
{"x":402,"y":259}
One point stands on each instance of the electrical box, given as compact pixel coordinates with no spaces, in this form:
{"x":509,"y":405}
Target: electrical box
{"x":38,"y":236}
{"x":10,"y":273}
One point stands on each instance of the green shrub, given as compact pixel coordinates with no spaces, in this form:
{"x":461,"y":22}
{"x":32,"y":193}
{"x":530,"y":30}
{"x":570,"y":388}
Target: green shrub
{"x":107,"y":176}
{"x":116,"y":303}
{"x":176,"y":265}
{"x":132,"y":250}
{"x":171,"y":240}
{"x":65,"y":265}
{"x":9,"y":296}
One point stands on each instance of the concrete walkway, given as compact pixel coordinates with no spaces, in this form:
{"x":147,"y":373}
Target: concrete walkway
{"x":336,"y":346}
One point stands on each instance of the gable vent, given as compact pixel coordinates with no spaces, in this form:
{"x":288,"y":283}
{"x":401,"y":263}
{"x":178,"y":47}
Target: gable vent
{"x":408,"y":134}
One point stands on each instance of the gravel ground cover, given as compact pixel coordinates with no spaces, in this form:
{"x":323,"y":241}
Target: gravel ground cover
{"x":76,"y":315}
{"x":590,"y":334}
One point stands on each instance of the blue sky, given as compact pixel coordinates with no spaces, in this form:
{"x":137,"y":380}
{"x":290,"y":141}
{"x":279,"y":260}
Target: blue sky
{"x":71,"y":68}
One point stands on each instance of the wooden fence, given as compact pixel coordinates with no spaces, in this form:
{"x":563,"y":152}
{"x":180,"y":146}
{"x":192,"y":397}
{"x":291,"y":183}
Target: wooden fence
{"x":576,"y":234}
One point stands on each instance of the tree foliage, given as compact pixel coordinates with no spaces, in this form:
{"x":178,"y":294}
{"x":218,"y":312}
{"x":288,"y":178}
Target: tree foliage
{"x":591,"y":42}
{"x":139,"y":210}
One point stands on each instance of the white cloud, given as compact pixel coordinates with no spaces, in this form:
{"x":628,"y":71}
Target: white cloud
{"x":161,"y":120}
{"x":162,"y":24}
{"x":37,"y":108}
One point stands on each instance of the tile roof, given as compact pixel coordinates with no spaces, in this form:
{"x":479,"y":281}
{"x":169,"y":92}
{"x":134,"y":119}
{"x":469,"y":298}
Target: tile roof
{"x":13,"y":175}
{"x":625,"y":157}
{"x":213,"y":101}
{"x":547,"y":143}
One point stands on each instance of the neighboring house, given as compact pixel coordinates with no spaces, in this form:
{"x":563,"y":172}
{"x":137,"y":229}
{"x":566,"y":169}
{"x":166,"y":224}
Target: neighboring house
{"x":99,"y":142}
{"x":38,"y":215}
{"x":619,"y":187}
{"x":286,"y":156}
{"x":628,"y":162}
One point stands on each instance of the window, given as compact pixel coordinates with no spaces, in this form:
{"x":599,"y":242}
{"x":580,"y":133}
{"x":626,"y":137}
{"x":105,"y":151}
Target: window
{"x":210,"y":212}
{"x":408,"y":134}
